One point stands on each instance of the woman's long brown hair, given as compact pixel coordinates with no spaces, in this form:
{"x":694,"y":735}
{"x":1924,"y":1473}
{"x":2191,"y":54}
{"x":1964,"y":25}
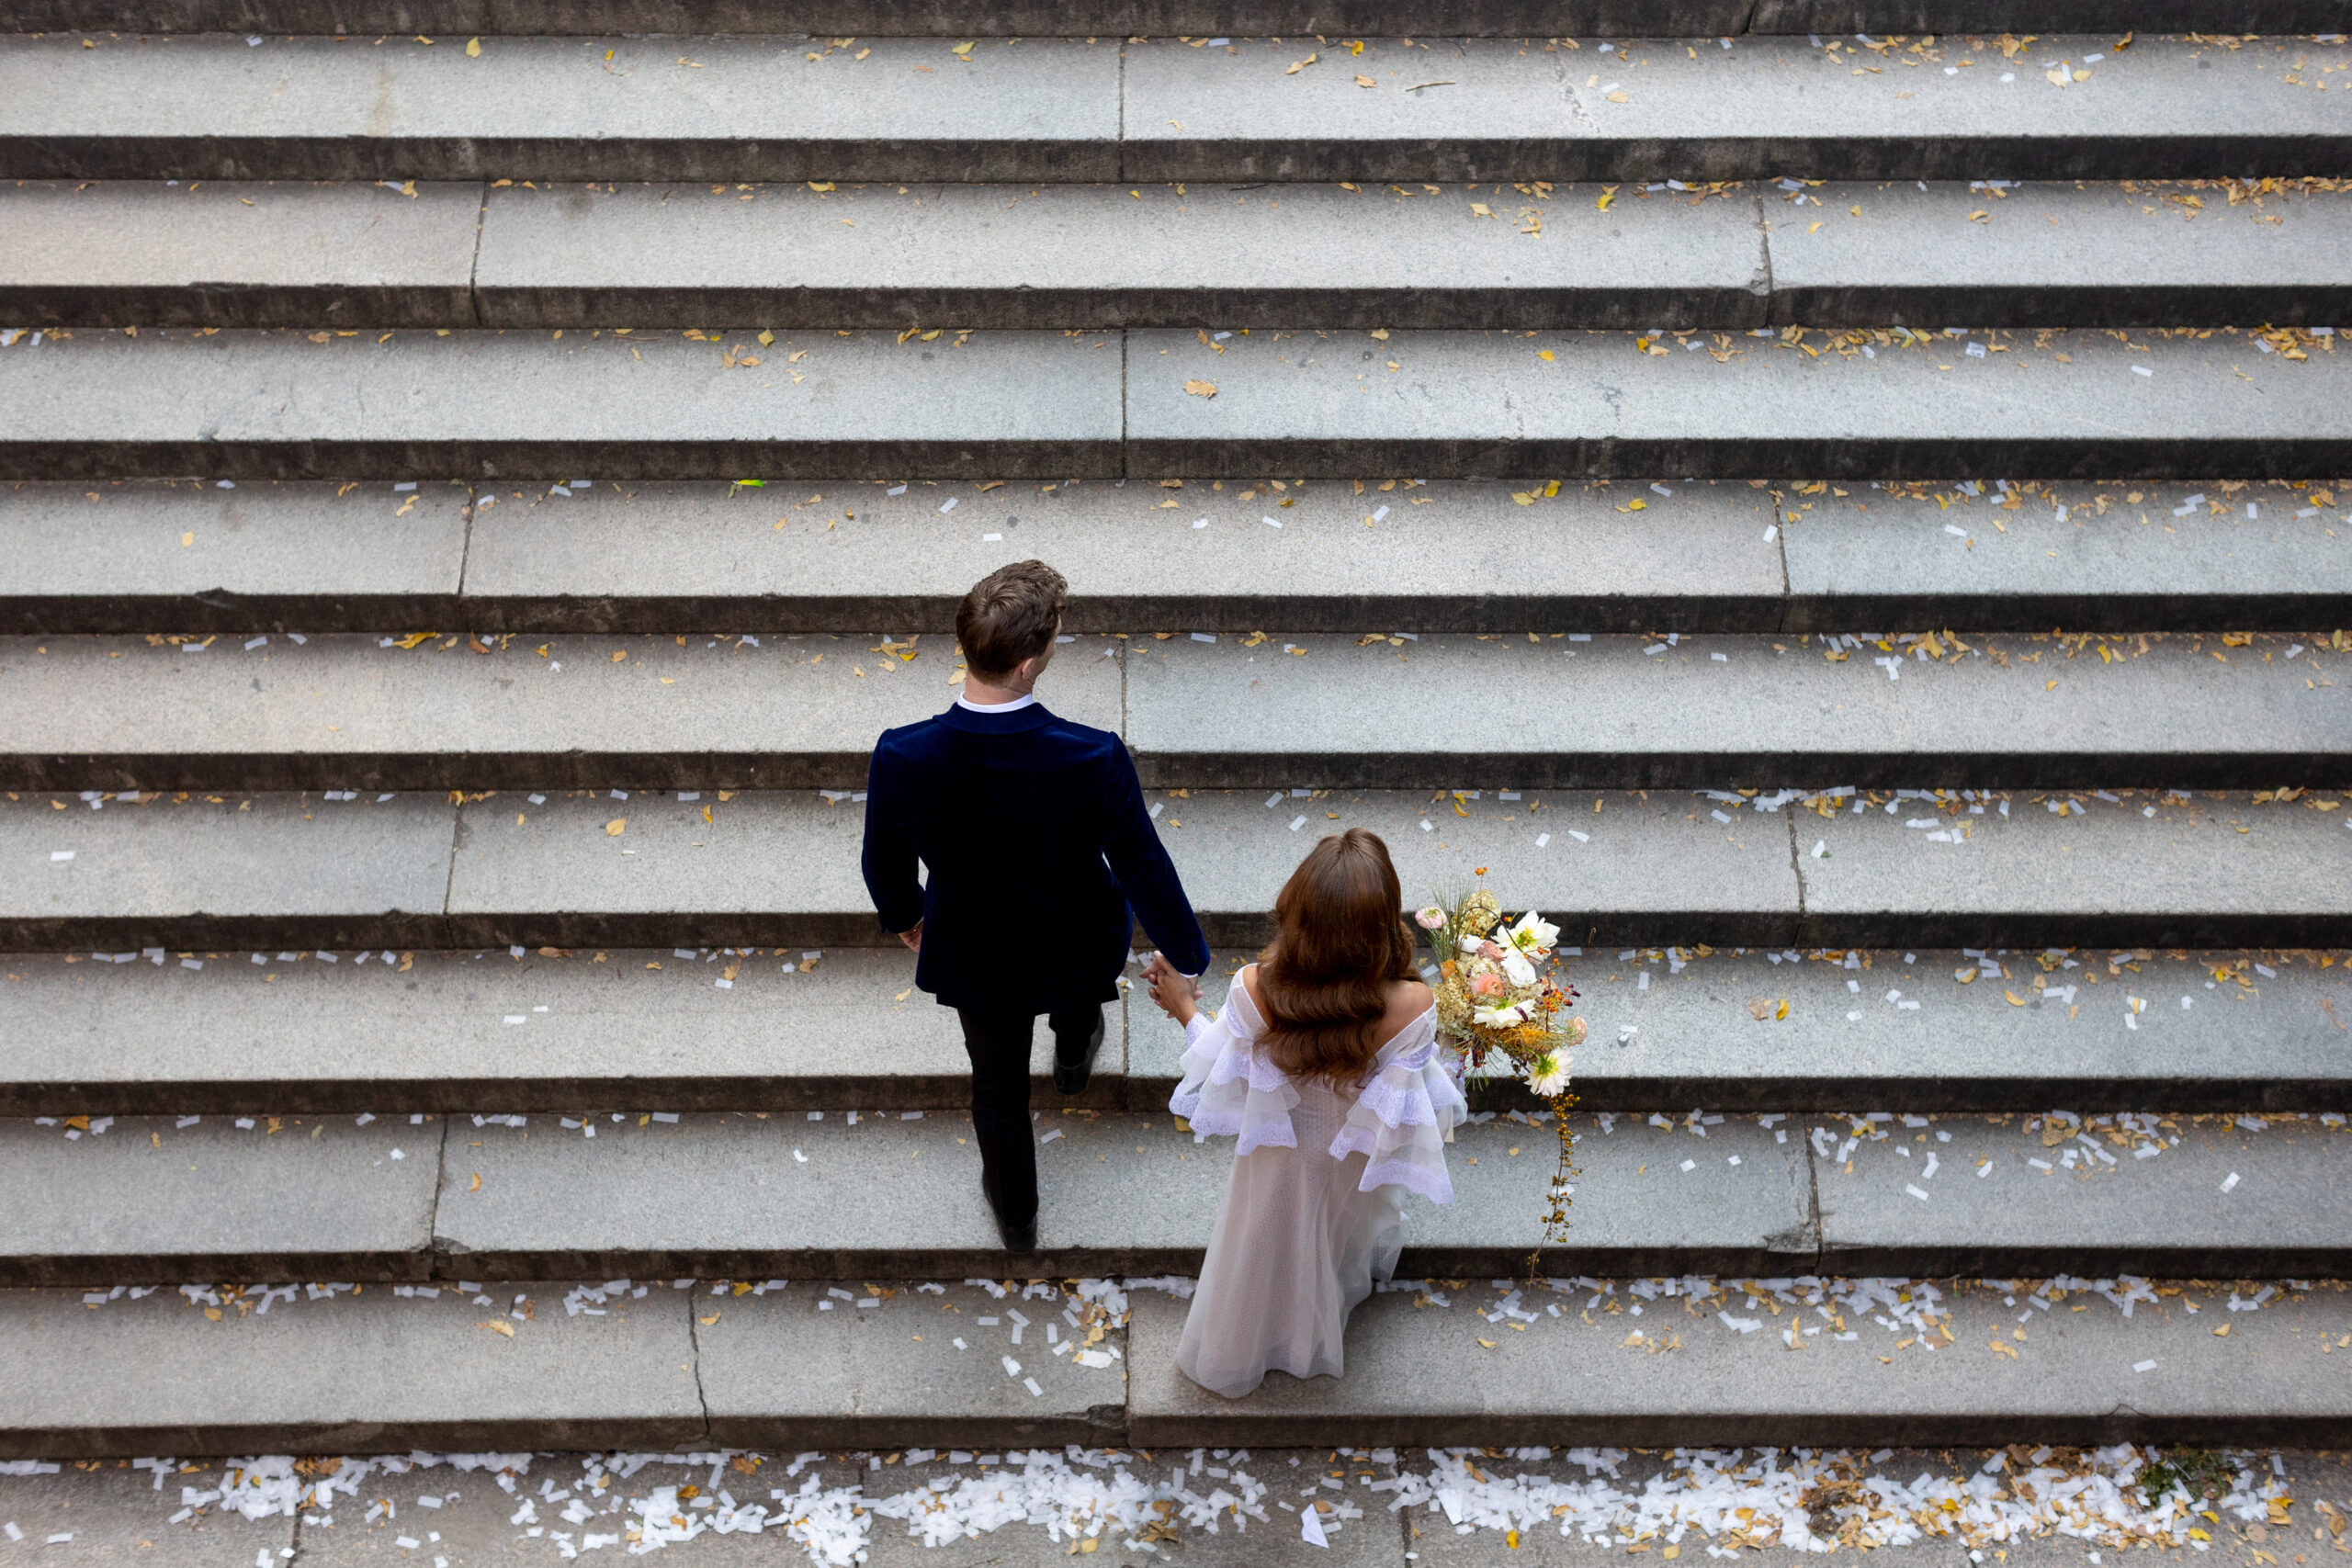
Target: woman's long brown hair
{"x":1342,"y":942}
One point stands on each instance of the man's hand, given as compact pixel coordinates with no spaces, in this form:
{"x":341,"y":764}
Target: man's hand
{"x":912,"y":937}
{"x":1176,"y":995}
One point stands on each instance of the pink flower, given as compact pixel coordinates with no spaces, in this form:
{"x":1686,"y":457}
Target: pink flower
{"x":1431,"y":919}
{"x":1491,"y":950}
{"x":1488,"y":986}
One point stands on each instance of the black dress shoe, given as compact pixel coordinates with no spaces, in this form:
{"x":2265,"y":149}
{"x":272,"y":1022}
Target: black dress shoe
{"x":1071,"y":1077}
{"x":1016,"y":1238}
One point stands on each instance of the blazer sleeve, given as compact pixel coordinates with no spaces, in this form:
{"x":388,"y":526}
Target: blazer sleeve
{"x":889,"y":857}
{"x":1145,"y":875}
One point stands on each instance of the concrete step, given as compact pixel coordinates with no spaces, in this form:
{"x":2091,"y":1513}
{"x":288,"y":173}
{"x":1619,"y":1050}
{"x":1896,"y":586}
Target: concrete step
{"x":2095,"y":1377}
{"x":250,"y":255}
{"x":294,"y":872}
{"x":467,"y":1032}
{"x":898,"y":1196}
{"x":1020,"y":1506}
{"x":460,"y":1033}
{"x":370,"y":1371}
{"x":1032,"y":18}
{"x":1169,"y":404}
{"x":1693,"y":557}
{"x":1249,"y":713}
{"x":373,"y":1372}
{"x":744,"y":109}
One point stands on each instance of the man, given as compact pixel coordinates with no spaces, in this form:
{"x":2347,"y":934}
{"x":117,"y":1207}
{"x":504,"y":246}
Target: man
{"x":1041,"y":859}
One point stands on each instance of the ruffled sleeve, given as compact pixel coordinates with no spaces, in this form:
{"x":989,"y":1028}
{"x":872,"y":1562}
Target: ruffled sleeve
{"x":1228,"y":1088}
{"x":1404,"y":1118}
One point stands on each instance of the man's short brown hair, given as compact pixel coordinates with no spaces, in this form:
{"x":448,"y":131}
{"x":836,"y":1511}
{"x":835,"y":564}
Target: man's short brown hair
{"x":1009,"y":615}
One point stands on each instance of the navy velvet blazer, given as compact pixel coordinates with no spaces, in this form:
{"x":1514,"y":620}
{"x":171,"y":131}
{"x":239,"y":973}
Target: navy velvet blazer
{"x":1040,"y":854}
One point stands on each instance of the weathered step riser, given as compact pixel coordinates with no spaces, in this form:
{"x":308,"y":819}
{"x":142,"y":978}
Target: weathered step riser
{"x":280,"y":871}
{"x":650,"y":1367}
{"x":1032,"y":18}
{"x":744,"y":1196}
{"x":1061,"y":110}
{"x":302,"y":1036}
{"x":1016,"y":257}
{"x":667,"y":559}
{"x":242,"y":614}
{"x":1029,"y":18}
{"x":1166,"y":405}
{"x":580,"y":714}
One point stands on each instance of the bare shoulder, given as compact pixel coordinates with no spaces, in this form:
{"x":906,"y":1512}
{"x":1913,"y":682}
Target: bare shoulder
{"x":1407,"y":999}
{"x":1249,"y":978}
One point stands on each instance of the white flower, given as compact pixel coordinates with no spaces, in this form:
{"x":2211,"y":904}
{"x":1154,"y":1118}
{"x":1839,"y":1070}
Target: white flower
{"x":1471,"y":943}
{"x":1509,"y":1016}
{"x":1534,"y":935}
{"x":1518,"y":970}
{"x":1547,"y":1075}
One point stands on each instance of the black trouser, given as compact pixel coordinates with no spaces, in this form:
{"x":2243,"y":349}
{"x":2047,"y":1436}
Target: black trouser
{"x":999,"y":1046}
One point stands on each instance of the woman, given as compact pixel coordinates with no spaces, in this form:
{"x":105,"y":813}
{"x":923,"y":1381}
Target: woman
{"x":1324,"y":1063}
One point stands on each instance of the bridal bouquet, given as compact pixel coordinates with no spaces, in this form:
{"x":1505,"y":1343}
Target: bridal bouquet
{"x":1502,"y":1014}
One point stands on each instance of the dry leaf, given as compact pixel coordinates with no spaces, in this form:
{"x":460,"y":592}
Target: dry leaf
{"x":496,"y":1326}
{"x":1201,"y":389}
{"x":1366,"y":82}
{"x":616,"y":827}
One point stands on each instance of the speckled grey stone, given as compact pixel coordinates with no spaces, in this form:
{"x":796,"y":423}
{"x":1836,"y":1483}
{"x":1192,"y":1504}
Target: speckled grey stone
{"x":1769,"y":108}
{"x":225,"y":254}
{"x":275,"y":405}
{"x":260,"y":557}
{"x":456,"y":712}
{"x":366,"y":1373}
{"x":2205,"y":873}
{"x":1106,"y":255}
{"x":400,"y":108}
{"x":461,"y":1032}
{"x":1424,"y":1375}
{"x":1467,"y":404}
{"x":276,"y":1198}
{"x":1713,"y":712}
{"x":1684,"y":1030}
{"x":2056,"y":255}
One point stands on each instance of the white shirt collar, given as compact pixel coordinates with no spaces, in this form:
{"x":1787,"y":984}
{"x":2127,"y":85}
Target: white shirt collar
{"x":1015,"y":705}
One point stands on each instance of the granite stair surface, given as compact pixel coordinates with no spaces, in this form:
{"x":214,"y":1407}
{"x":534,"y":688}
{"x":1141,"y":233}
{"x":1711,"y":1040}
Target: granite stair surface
{"x":1836,"y":505}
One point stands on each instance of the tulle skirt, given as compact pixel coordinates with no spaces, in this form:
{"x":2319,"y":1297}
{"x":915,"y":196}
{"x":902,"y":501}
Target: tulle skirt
{"x":1297,"y":1246}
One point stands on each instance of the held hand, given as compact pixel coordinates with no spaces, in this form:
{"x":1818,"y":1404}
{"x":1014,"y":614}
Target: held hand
{"x":912,"y":937}
{"x":1178,"y":996}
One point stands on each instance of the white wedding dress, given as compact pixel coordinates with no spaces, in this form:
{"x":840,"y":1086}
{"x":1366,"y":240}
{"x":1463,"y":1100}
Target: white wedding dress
{"x":1315,"y":1212}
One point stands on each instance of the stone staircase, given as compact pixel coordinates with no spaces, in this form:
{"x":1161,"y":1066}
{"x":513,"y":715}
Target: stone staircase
{"x":473,"y":493}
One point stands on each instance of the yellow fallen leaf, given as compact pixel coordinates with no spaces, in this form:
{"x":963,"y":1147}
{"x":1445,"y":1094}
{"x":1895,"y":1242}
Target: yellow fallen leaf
{"x":1201,"y":389}
{"x":186,"y":539}
{"x":473,"y":49}
{"x":1522,"y":498}
{"x":2015,"y":1001}
{"x":1487,"y":1343}
{"x":476,"y":1187}
{"x":1784,"y":1009}
{"x":1606,"y":198}
{"x":1671,"y":1551}
{"x":616,"y":827}
{"x":1482,"y":209}
{"x":1546,"y":355}
{"x":1618,"y":97}
{"x":496,"y":1326}
{"x":1366,"y":82}
{"x":707,"y":1322}
{"x":1637,"y":504}
{"x":415,"y":637}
